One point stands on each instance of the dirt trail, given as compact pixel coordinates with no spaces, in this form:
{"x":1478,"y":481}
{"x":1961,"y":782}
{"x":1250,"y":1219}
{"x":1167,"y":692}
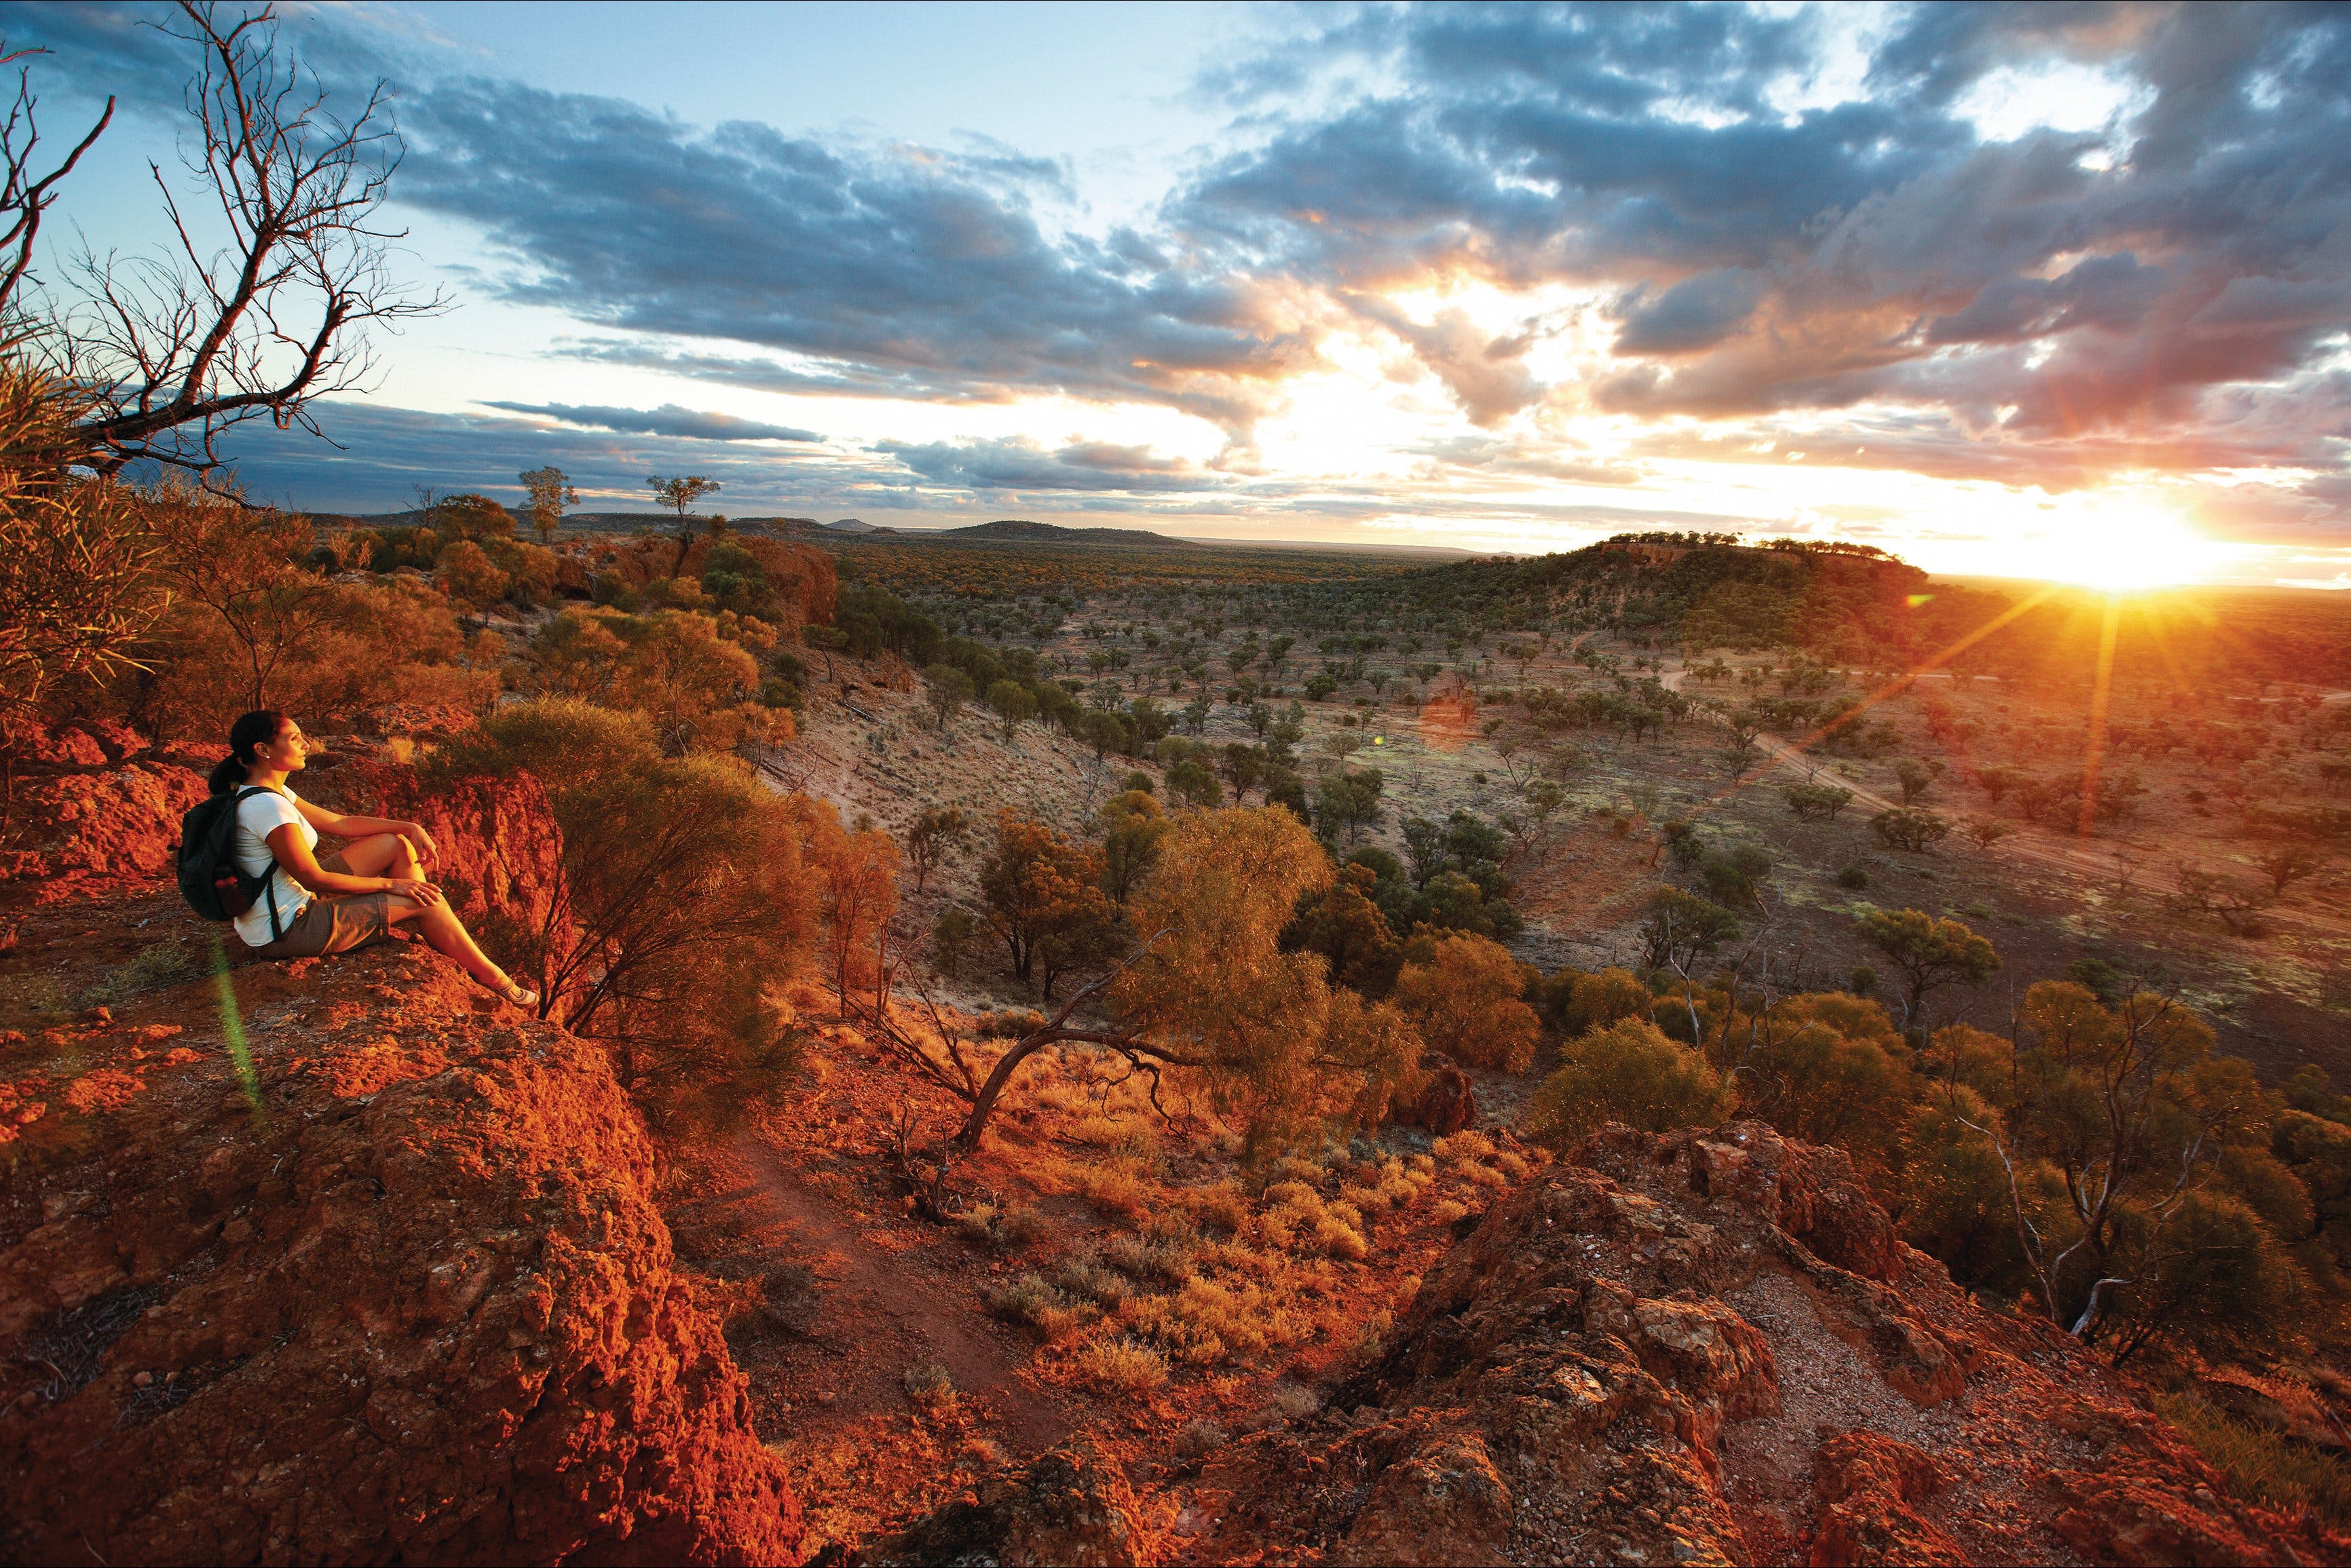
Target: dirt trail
{"x":886,"y":1312}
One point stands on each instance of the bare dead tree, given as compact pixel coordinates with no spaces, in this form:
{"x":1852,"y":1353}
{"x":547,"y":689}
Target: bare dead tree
{"x":182,"y":346}
{"x":24,"y":196}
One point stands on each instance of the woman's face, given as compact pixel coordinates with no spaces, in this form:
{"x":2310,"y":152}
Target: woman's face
{"x":286,"y":753}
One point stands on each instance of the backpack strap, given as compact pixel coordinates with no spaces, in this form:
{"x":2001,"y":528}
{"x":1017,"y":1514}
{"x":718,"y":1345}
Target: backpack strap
{"x":269,"y":872}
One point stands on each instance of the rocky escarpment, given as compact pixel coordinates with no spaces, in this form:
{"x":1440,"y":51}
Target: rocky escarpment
{"x":1711,"y":1347}
{"x":399,"y":1293}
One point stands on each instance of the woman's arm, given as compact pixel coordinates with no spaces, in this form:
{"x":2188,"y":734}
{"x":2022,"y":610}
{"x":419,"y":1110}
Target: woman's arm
{"x":295,"y":856}
{"x":326,"y":821}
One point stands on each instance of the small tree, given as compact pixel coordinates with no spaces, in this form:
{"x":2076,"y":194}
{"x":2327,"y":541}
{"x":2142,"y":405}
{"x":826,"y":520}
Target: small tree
{"x":1815,"y":801}
{"x":1463,"y":993}
{"x":1044,"y":901}
{"x":2130,"y":1108}
{"x":1986,"y":831}
{"x":857,"y":892}
{"x":549,"y":490}
{"x":680,"y":494}
{"x":1930,"y":953}
{"x":1133,"y":827}
{"x":1012,"y":702}
{"x":2287,"y":864}
{"x":1915,"y":777}
{"x":1916,"y":831}
{"x":1626,"y":1072}
{"x":934,"y":831}
{"x":946,"y":688}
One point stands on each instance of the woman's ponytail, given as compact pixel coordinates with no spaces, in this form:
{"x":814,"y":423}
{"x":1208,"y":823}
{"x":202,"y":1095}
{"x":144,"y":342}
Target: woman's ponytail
{"x":258,"y":728}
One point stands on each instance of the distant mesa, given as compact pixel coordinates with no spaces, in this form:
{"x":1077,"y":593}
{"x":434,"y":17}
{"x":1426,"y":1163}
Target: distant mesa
{"x":1018,"y":529}
{"x":851,"y":525}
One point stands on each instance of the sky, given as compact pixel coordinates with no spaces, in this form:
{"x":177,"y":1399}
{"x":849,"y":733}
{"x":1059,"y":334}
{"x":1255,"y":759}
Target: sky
{"x":2058,"y":290}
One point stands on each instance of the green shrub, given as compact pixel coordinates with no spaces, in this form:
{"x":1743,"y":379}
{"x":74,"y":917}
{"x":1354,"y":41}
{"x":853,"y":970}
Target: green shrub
{"x":1628,"y":1073}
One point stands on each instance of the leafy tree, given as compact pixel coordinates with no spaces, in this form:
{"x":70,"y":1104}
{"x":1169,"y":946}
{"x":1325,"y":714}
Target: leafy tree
{"x":1133,"y":827}
{"x":1681,"y":929}
{"x":680,"y":494}
{"x":1343,"y":923}
{"x":1208,"y":993}
{"x":1348,"y":802}
{"x":1915,"y":778}
{"x":1243,"y":767}
{"x":550,"y":492}
{"x":2286,"y":864}
{"x":1984,"y":831}
{"x":946,"y":688}
{"x":1424,"y":847}
{"x":2126,"y":1107}
{"x":937,"y":828}
{"x":1816,"y":801}
{"x":1462,"y":992}
{"x":1013,"y":704}
{"x":1916,"y":831}
{"x":1734,"y":877}
{"x":1930,"y":954}
{"x":1628,"y":1072}
{"x":686,"y":899}
{"x":1044,"y":901}
{"x":1190,"y":782}
{"x":471,"y":517}
{"x":468,"y":576}
{"x":1572,"y":1003}
{"x":857,"y":892}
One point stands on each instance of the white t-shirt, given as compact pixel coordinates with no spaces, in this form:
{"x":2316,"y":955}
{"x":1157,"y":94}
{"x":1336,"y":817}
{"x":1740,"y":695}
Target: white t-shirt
{"x":257,"y":817}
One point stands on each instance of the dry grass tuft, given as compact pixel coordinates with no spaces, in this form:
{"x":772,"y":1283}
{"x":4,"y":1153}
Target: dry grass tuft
{"x":2264,"y":1466}
{"x":1123,"y":1369}
{"x":1006,"y":1230}
{"x":1033,"y":1302}
{"x":931,"y":1390}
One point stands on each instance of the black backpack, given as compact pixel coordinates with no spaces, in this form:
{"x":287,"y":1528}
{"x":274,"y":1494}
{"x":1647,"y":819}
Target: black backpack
{"x":211,"y":882}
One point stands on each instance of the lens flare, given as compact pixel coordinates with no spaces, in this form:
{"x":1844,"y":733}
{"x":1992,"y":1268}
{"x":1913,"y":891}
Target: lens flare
{"x":233,"y":1030}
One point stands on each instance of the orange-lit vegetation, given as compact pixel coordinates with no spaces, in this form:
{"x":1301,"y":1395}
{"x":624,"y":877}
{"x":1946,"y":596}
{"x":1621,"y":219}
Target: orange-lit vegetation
{"x":1124,"y":1057}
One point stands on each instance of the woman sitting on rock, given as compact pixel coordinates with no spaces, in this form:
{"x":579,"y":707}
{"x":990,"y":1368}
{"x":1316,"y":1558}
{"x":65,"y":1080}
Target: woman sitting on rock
{"x":352,"y":897}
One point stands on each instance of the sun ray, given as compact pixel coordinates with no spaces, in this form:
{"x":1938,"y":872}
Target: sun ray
{"x":2101,"y":689}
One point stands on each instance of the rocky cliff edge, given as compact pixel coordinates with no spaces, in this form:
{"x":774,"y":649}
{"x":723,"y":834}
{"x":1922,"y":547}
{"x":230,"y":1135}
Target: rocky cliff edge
{"x":399,"y":1292}
{"x":1710,"y":1347}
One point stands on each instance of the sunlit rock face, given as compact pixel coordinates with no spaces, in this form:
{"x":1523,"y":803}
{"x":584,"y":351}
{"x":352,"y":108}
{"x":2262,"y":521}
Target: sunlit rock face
{"x":1710,"y":1347}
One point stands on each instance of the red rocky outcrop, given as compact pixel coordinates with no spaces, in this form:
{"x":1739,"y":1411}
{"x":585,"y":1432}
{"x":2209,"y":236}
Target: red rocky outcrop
{"x":403,"y":1294}
{"x":1711,"y":1347}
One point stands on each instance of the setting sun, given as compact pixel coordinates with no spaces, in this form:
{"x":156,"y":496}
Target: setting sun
{"x":2123,"y":545}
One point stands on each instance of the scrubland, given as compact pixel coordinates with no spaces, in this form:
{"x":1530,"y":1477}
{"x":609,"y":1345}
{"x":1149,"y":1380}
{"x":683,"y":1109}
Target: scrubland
{"x":1084,"y":949}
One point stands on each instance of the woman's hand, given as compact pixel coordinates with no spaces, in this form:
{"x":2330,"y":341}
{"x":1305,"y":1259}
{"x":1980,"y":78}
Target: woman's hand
{"x":427,"y":851}
{"x":425,"y":893}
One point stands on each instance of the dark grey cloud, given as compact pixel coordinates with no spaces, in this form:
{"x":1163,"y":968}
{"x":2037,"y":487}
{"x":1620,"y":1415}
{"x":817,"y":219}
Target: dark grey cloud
{"x":929,"y":271}
{"x":669,"y":420}
{"x":1699,"y":312}
{"x":1020,"y":465}
{"x":382,"y":454}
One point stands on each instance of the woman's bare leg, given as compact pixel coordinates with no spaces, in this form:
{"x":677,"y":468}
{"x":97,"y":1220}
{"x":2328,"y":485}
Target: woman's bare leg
{"x":439,"y":925}
{"x":383,"y":855}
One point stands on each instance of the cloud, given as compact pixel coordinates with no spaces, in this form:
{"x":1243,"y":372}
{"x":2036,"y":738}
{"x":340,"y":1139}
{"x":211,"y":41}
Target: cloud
{"x":1782,"y":236}
{"x":1875,"y":249}
{"x":1696,"y":313}
{"x":1021,"y":465}
{"x":669,"y":420}
{"x":383,"y":453}
{"x":926,"y":269}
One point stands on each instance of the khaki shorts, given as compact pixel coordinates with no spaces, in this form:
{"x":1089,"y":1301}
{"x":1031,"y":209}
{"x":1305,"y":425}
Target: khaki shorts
{"x":334,"y":923}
